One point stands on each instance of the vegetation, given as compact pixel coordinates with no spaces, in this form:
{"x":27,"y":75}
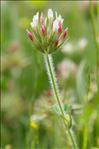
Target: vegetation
{"x":30,"y":117}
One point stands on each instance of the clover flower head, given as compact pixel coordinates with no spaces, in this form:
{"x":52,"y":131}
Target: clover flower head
{"x":47,"y":33}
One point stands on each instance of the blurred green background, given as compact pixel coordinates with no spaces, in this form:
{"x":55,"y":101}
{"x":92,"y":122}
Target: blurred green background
{"x":27,"y":121}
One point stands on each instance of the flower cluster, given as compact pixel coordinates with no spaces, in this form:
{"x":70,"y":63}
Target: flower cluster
{"x":47,"y":33}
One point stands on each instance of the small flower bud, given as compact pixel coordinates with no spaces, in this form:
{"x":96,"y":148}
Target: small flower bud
{"x":43,"y":30}
{"x":56,"y":43}
{"x":41,"y":19}
{"x":30,"y":35}
{"x":64,"y":33}
{"x":57,"y":26}
{"x":60,"y":28}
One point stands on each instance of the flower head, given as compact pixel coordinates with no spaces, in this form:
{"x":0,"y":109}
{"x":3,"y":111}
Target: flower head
{"x":47,"y":32}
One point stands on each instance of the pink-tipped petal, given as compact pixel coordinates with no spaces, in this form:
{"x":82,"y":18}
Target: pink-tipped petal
{"x":65,"y":33}
{"x":56,"y":43}
{"x":41,"y":19}
{"x":30,"y":35}
{"x":60,"y":28}
{"x":43,"y":30}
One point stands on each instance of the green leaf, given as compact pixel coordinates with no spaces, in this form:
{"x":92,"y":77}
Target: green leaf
{"x":55,"y":109}
{"x":67,"y":107}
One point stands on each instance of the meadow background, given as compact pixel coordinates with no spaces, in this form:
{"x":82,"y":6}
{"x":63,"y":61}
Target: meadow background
{"x":28,"y":120}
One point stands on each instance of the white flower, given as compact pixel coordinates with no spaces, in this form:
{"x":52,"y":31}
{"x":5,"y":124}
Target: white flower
{"x":50,"y":14}
{"x":67,"y":68}
{"x":82,"y":43}
{"x":68,"y":48}
{"x":35,"y":20}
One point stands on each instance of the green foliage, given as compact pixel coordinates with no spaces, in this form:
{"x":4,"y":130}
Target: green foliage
{"x":25,"y":87}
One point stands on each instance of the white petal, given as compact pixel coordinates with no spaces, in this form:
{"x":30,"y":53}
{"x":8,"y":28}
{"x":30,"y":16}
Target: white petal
{"x":33,"y":24}
{"x":36,"y":17}
{"x":55,"y":25}
{"x":60,"y":19}
{"x":35,"y":20}
{"x":50,"y":14}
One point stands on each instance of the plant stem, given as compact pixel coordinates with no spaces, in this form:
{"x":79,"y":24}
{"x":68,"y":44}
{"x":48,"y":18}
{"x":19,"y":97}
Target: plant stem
{"x":53,"y":82}
{"x":95,"y":39}
{"x":72,"y":138}
{"x":85,"y":137}
{"x":54,"y":85}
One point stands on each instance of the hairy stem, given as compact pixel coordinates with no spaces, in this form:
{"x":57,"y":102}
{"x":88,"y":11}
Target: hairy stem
{"x":71,"y":135}
{"x":50,"y":70}
{"x":53,"y":82}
